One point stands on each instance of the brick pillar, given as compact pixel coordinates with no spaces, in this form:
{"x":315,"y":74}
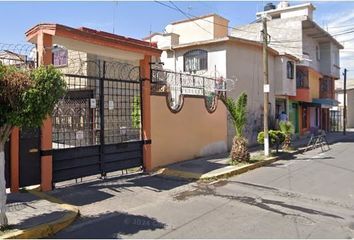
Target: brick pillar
{"x":44,"y":47}
{"x":146,"y":111}
{"x":15,"y":160}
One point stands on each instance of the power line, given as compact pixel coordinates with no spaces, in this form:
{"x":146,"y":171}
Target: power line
{"x":186,"y":14}
{"x":203,"y":19}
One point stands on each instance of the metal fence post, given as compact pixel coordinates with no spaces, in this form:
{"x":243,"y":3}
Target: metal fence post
{"x":102,"y":129}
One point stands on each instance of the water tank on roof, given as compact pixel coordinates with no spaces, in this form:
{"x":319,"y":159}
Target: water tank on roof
{"x":269,"y":6}
{"x":283,"y":4}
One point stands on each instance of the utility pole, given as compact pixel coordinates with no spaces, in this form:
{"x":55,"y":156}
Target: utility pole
{"x":266,"y":86}
{"x":345,"y":103}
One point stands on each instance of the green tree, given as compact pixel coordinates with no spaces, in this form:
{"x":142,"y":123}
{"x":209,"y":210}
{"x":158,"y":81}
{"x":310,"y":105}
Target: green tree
{"x":136,"y":113}
{"x":238,"y":113}
{"x":26,"y":99}
{"x":288,"y":129}
{"x":276,"y":138}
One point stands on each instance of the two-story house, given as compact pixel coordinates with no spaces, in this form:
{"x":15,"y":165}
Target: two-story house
{"x":203,"y":46}
{"x":293,"y":30}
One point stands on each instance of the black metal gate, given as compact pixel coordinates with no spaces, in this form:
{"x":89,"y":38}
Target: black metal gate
{"x":336,"y":120}
{"x":30,"y":158}
{"x":97,"y":125}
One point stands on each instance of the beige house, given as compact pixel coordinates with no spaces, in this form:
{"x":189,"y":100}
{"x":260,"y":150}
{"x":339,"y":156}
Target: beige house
{"x":350,"y":101}
{"x":204,"y":47}
{"x":292,"y":29}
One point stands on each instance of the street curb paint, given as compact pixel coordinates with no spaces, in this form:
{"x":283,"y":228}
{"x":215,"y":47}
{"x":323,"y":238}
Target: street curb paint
{"x":46,"y":229}
{"x":224,"y":172}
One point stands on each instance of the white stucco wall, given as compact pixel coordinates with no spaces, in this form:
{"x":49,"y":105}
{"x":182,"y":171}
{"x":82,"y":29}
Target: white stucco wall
{"x":244,"y":62}
{"x":283,"y":85}
{"x":309,"y":46}
{"x":216,"y":59}
{"x":286,"y":34}
{"x":200,"y":29}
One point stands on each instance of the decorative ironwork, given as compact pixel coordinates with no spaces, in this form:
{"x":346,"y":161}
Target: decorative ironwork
{"x":177,"y":85}
{"x":97,"y":125}
{"x":77,"y":117}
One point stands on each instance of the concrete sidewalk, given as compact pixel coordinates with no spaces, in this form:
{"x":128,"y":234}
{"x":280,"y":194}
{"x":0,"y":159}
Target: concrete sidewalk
{"x":36,"y":215}
{"x":218,"y":166}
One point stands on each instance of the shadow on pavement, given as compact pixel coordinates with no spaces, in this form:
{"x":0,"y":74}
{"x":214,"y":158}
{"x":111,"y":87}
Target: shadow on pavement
{"x":263,"y":203}
{"x":90,"y":192}
{"x":110,"y":225}
{"x":40,"y":219}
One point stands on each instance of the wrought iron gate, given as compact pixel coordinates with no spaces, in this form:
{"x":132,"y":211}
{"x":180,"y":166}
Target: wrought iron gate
{"x":97,"y":125}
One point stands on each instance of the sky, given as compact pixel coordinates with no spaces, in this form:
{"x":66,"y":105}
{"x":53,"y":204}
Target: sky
{"x":137,"y":19}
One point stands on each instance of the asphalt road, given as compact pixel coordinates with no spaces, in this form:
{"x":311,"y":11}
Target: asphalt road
{"x":311,"y":196}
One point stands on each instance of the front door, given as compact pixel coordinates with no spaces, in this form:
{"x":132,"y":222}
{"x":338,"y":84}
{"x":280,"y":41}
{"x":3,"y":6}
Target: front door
{"x":30,"y":157}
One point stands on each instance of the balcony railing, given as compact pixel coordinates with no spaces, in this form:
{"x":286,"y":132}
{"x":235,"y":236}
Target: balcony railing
{"x":164,"y":81}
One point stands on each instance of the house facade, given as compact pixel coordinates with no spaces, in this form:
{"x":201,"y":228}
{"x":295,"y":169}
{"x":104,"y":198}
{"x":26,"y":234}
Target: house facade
{"x":338,"y":110}
{"x":211,"y":51}
{"x":292,"y":30}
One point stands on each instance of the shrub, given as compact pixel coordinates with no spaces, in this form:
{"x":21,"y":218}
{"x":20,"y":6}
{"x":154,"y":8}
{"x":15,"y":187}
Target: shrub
{"x":276,"y":138}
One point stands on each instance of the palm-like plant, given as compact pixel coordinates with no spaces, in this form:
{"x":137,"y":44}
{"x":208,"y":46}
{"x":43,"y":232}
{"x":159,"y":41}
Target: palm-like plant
{"x":238,"y":112}
{"x":288,"y":129}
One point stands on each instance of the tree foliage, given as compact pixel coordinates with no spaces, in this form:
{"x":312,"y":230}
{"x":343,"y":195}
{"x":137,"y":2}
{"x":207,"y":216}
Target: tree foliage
{"x":276,"y":138}
{"x":238,"y":112}
{"x":288,"y":129}
{"x":27,"y":97}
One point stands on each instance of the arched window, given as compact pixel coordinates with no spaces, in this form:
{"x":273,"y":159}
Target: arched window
{"x":195,"y":60}
{"x":290,"y":70}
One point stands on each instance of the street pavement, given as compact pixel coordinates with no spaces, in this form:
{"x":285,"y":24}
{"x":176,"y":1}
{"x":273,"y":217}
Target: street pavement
{"x":311,"y":196}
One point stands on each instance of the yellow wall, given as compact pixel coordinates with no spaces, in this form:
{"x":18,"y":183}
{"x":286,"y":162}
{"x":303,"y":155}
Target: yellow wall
{"x":314,"y":83}
{"x":190,"y":133}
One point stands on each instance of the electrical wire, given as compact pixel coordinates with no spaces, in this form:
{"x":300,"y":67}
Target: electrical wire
{"x":186,"y":14}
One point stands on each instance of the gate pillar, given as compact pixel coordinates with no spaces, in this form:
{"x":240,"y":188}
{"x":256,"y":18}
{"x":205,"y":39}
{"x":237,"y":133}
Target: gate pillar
{"x":44,"y":48}
{"x":146,"y":111}
{"x":14,"y":160}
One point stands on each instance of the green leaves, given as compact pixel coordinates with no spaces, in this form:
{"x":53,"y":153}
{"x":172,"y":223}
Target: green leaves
{"x":286,"y":127}
{"x":28,"y":97}
{"x":275,"y":137}
{"x":238,"y":112}
{"x":136,"y":113}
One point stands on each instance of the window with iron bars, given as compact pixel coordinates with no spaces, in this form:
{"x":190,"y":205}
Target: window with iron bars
{"x":195,"y":60}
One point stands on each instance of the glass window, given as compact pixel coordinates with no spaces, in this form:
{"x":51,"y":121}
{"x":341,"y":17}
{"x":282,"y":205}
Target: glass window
{"x":290,"y":70}
{"x":60,"y":56}
{"x":195,"y":60}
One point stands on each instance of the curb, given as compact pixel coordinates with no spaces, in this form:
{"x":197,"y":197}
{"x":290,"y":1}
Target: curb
{"x":46,"y":229}
{"x":227,"y":171}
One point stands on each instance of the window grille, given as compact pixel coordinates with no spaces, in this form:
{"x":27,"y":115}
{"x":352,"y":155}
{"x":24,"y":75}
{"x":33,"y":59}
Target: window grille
{"x":290,"y":70}
{"x":195,"y":60}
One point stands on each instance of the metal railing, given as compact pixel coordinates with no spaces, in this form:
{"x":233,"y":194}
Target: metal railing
{"x":165,"y":81}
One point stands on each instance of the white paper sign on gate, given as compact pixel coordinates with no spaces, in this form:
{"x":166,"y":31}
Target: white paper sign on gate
{"x":110,"y":105}
{"x":79,"y":135}
{"x":93,"y":103}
